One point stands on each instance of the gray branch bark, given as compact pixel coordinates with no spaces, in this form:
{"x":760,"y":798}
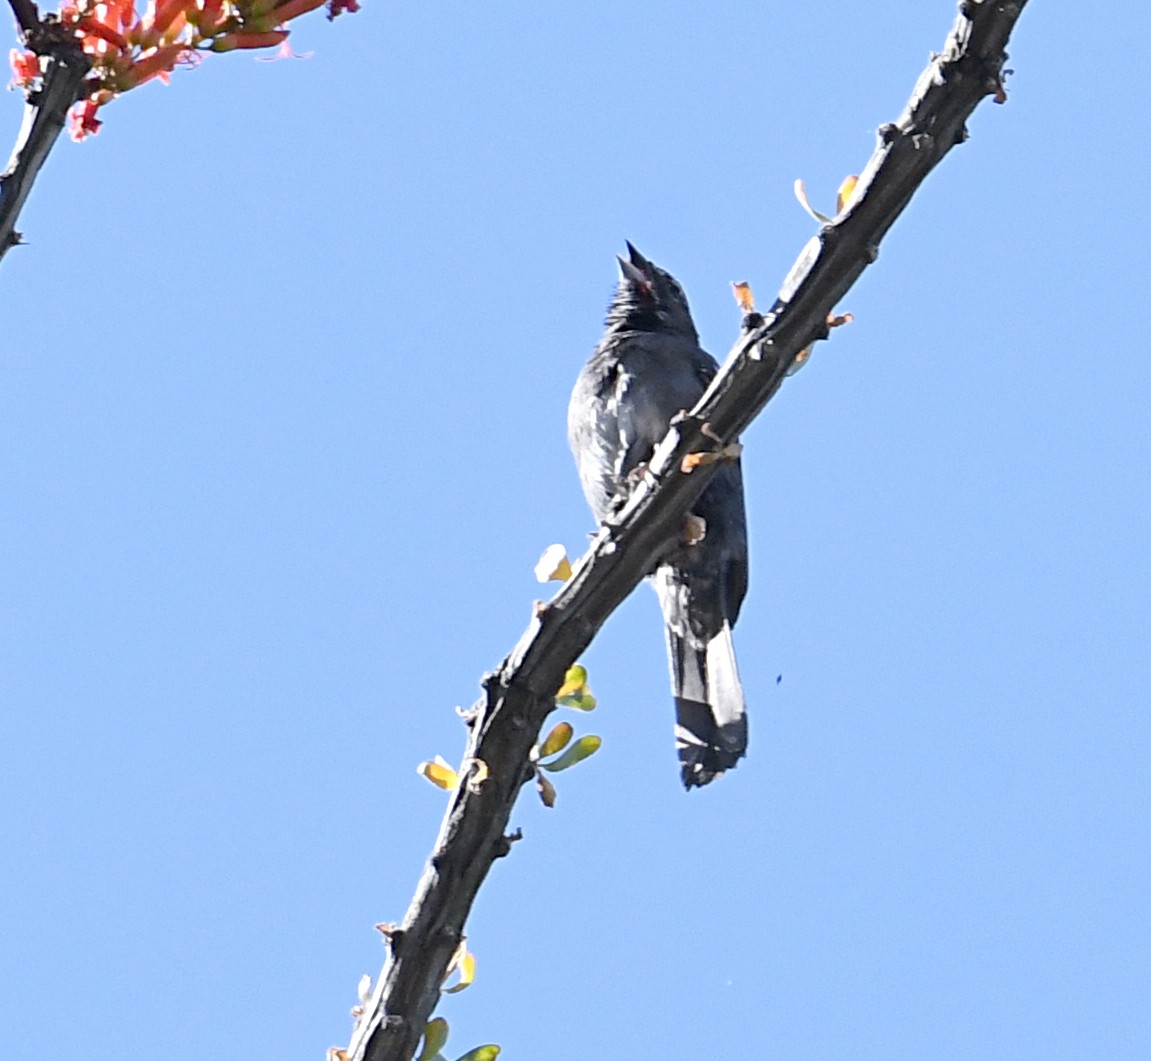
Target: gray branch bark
{"x":45,"y":113}
{"x":519,"y":696}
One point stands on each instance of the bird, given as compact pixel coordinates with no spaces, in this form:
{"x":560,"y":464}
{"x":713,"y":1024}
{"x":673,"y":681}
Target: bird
{"x":648,"y":367}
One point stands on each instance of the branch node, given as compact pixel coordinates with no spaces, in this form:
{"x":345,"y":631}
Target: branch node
{"x":888,"y":132}
{"x":452,"y":935}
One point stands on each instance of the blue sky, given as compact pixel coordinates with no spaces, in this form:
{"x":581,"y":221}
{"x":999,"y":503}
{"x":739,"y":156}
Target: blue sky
{"x":282,"y":395}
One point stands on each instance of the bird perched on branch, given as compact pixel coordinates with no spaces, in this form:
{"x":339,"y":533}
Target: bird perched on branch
{"x":647,"y":368}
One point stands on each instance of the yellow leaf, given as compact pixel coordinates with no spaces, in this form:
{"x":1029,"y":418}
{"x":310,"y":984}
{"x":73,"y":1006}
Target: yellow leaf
{"x":697,"y":460}
{"x":439,"y":773}
{"x":845,"y":194}
{"x":557,"y":739}
{"x":575,"y":681}
{"x":467,"y":970}
{"x":801,"y":195}
{"x":743,"y":296}
{"x":482,"y":1053}
{"x":554,"y":565}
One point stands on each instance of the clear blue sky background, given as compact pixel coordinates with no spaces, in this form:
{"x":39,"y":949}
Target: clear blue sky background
{"x":283,"y":378}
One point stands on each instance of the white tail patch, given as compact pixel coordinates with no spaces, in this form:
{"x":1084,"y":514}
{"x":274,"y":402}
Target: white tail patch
{"x":723,"y":684}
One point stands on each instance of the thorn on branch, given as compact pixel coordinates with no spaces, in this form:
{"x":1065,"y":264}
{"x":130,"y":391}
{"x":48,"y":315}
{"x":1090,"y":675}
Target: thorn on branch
{"x":392,"y":933}
{"x":706,"y":430}
{"x":996,"y":87}
{"x":504,"y":843}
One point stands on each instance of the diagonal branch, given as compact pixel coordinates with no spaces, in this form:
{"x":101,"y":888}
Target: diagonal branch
{"x":27,"y":17}
{"x":517,"y":698}
{"x":45,"y":113}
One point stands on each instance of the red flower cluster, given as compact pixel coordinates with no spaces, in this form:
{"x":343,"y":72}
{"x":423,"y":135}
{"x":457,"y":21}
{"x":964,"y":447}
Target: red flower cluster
{"x":127,"y":50}
{"x":25,"y":68}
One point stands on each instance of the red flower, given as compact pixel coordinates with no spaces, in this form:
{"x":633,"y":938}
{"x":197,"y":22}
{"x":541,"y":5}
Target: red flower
{"x":83,"y":120}
{"x":163,"y":14}
{"x":157,"y":63}
{"x":99,"y":36}
{"x":25,"y":67}
{"x":338,"y":7}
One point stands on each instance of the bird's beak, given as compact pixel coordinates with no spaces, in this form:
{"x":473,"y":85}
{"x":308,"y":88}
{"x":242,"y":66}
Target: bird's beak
{"x":627,"y":271}
{"x":637,"y":259}
{"x":636,"y":268}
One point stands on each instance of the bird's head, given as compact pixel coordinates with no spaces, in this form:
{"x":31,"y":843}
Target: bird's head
{"x":648,"y":299}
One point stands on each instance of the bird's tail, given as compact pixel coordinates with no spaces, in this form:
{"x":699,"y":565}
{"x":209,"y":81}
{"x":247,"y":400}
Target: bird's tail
{"x":710,"y":721}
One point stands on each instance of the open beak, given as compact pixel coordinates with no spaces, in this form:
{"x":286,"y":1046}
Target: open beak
{"x":636,"y":268}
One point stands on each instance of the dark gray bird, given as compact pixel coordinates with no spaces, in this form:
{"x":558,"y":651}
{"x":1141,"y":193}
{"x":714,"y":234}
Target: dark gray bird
{"x":647,"y":368}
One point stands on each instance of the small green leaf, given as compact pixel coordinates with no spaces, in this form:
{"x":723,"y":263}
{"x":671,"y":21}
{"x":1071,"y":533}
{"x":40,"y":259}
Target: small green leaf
{"x":559,"y":738}
{"x":435,"y":1036}
{"x":582,"y":701}
{"x":482,"y":1053}
{"x":579,"y":751}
